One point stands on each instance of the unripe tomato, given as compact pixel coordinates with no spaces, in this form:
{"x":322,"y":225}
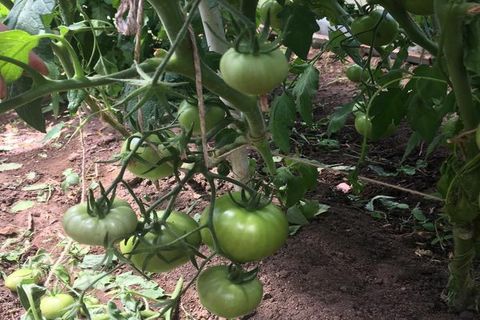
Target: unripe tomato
{"x":21,"y":276}
{"x":356,"y":73}
{"x":419,"y":7}
{"x":245,"y":235}
{"x":270,"y":8}
{"x":374,"y":28}
{"x":254,"y":74}
{"x":147,"y":160}
{"x":165,"y":259}
{"x":55,"y":306}
{"x":188,"y":117}
{"x":224,"y":297}
{"x":363,"y":125}
{"x":118,"y":223}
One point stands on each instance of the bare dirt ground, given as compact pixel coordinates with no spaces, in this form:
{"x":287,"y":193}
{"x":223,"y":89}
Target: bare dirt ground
{"x":344,"y":265}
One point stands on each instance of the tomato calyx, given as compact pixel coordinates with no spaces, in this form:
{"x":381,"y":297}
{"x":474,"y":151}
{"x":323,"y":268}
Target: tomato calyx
{"x":99,"y":207}
{"x":237,"y":275}
{"x":250,"y":199}
{"x":249,"y":43}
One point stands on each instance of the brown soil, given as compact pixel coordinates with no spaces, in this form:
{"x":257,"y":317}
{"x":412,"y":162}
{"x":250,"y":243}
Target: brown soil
{"x":344,"y":265}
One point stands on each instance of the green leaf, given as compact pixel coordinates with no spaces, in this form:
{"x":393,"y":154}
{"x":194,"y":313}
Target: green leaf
{"x":423,"y":118}
{"x":295,"y":216}
{"x":282,"y":118}
{"x":434,"y":87}
{"x":387,"y":108}
{"x":21,"y":205}
{"x":301,"y":26}
{"x":27,"y":15}
{"x":28,"y":293}
{"x":3,"y":11}
{"x":15,"y":44}
{"x":10,"y":166}
{"x":54,"y":133}
{"x":305,"y":89}
{"x":339,"y":117}
{"x":32,"y":114}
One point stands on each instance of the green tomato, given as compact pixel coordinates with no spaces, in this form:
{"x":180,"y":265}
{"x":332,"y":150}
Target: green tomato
{"x":363,"y":125}
{"x":374,"y":28}
{"x":188,"y":117}
{"x":225,"y":298}
{"x":245,"y":235}
{"x":271,"y":9}
{"x":419,"y":7}
{"x":147,"y":161}
{"x":153,"y":259}
{"x":118,"y":223}
{"x":254,"y":74}
{"x":356,"y":73}
{"x":22,"y":276}
{"x":55,"y":306}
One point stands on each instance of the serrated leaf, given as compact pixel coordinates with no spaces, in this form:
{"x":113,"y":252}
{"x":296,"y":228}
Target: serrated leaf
{"x":21,"y":205}
{"x":387,"y":108}
{"x":305,"y":89}
{"x":295,"y":216}
{"x":282,"y":118}
{"x":10,"y":166}
{"x":27,"y":15}
{"x":423,"y":118}
{"x":15,"y":44}
{"x":302,"y":24}
{"x":339,"y":117}
{"x":54,"y":133}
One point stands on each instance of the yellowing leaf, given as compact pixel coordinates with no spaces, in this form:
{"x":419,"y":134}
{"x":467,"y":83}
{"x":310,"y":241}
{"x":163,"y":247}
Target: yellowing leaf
{"x":15,"y":44}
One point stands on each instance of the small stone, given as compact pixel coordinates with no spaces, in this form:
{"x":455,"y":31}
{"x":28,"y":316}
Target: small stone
{"x":267,"y":296}
{"x":73,"y":157}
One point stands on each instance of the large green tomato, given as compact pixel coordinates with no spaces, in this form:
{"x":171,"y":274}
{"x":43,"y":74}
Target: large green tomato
{"x":188,"y":117}
{"x":21,"y":276}
{"x":153,"y":259}
{"x":118,"y":223}
{"x":245,"y":235}
{"x":55,"y":306}
{"x":271,"y":9}
{"x":225,"y":298}
{"x":147,"y":161}
{"x":374,"y":28}
{"x":254,"y":74}
{"x":419,"y":7}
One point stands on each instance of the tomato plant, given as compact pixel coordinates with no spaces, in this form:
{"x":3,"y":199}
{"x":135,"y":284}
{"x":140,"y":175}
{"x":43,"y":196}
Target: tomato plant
{"x":254,"y":73}
{"x":375,"y":28}
{"x":21,"y":276}
{"x":189,"y":117}
{"x":222,"y":295}
{"x":99,"y":225}
{"x":148,"y":161}
{"x":245,"y":234}
{"x":161,"y":250}
{"x":56,"y":305}
{"x":420,"y":7}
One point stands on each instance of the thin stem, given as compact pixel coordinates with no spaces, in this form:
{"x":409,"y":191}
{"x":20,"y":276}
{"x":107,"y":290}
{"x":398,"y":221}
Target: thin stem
{"x":77,"y":66}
